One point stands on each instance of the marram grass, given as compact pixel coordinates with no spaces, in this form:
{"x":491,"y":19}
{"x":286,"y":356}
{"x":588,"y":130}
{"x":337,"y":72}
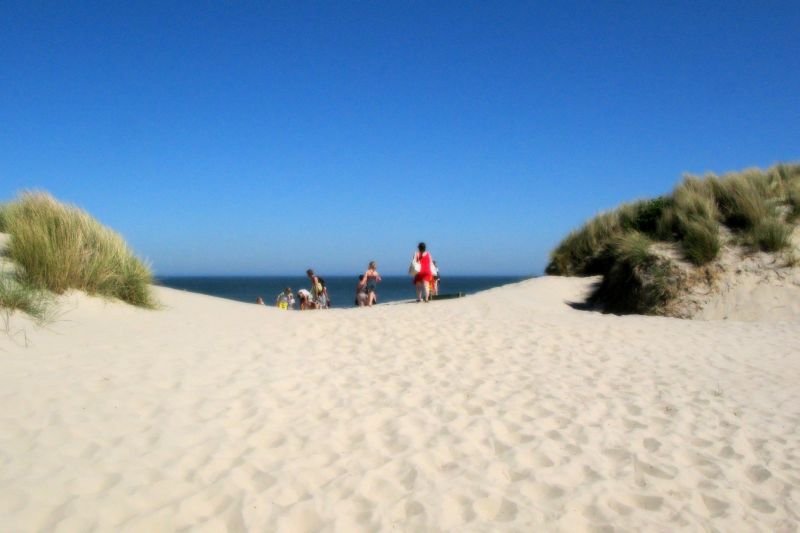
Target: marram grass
{"x":17,"y":296}
{"x":635,"y":279}
{"x":757,"y":207}
{"x":58,"y":247}
{"x":3,"y":210}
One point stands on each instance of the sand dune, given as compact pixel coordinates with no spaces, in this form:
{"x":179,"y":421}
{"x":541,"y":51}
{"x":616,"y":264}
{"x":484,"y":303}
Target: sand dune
{"x":504,"y":411}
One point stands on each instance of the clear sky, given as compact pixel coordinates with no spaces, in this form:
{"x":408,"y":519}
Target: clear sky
{"x":227,"y":137}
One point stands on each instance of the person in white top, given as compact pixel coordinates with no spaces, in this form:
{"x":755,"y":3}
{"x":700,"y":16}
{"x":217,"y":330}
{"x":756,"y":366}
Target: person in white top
{"x":306,"y":300}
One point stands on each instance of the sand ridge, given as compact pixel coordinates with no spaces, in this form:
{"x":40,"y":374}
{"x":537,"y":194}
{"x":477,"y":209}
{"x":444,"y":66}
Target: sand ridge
{"x":504,"y":411}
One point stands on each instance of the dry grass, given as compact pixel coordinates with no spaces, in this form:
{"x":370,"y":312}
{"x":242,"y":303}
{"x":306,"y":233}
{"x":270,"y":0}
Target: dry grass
{"x":58,"y":247}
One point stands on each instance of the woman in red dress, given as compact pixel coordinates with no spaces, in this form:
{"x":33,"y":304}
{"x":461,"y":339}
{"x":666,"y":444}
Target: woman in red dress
{"x":423,"y":278}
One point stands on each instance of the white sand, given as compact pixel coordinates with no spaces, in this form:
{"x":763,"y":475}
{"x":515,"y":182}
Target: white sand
{"x":505,"y":411}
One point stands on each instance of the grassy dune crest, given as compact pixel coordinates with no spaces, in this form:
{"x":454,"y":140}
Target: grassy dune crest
{"x":58,"y":247}
{"x":757,"y":208}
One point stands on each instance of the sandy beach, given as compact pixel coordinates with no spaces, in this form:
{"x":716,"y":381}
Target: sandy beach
{"x":503,"y":411}
{"x":606,"y":194}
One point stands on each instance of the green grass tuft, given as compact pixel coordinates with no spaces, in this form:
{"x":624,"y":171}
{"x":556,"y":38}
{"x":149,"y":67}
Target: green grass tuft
{"x":643,"y":216}
{"x":755,"y":205}
{"x":793,"y":198}
{"x":17,"y":296}
{"x":59,"y":247}
{"x":743,"y":201}
{"x":770,"y":235}
{"x":700,"y":241}
{"x":636,"y":280}
{"x":3,"y":210}
{"x":633,"y":248}
{"x":576,"y":254}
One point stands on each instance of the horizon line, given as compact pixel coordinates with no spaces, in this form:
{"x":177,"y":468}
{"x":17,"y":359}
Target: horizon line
{"x":302,"y":275}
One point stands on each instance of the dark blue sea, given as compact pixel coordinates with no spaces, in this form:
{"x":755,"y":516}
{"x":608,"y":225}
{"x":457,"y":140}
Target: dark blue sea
{"x":340,"y":288}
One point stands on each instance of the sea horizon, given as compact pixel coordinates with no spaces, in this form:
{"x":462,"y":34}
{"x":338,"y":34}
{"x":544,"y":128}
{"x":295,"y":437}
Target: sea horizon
{"x":393,"y":288}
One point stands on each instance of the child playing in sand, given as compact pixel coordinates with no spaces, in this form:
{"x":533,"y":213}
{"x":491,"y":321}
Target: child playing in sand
{"x":285,"y":299}
{"x":306,"y":300}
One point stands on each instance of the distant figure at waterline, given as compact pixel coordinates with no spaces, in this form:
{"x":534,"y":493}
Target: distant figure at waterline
{"x":362,"y":297}
{"x":319,"y":292}
{"x":422,"y":269}
{"x":370,"y":280}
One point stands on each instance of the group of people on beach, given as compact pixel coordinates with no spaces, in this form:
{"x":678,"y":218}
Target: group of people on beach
{"x":316,"y":298}
{"x":423,"y":269}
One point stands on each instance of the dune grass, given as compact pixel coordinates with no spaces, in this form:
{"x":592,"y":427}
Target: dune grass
{"x":17,"y":296}
{"x":635,"y":279}
{"x":700,"y":242}
{"x":694,"y":221}
{"x":793,"y":198}
{"x":757,"y":207}
{"x":3,"y":209}
{"x":770,"y":235}
{"x":58,"y":247}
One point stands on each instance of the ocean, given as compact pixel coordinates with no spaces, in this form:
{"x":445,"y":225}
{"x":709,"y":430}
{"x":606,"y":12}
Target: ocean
{"x":341,"y":289}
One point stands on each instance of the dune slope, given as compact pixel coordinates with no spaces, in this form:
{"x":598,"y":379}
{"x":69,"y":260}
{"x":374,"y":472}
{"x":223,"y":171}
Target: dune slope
{"x":508,"y":410}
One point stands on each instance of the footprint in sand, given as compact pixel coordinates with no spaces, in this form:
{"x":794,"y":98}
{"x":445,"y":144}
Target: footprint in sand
{"x":651,"y":445}
{"x":538,"y":491}
{"x":760,"y":504}
{"x":647,"y":503}
{"x":591,"y":475}
{"x":619,"y":507}
{"x":495,"y":508}
{"x":653,"y":471}
{"x":456,"y":510}
{"x":618,"y":455}
{"x":715,"y":507}
{"x":727,"y":452}
{"x":534,"y":459}
{"x":758,"y":474}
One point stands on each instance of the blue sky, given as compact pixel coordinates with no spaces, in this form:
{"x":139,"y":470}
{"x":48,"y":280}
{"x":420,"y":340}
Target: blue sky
{"x":264,"y":138}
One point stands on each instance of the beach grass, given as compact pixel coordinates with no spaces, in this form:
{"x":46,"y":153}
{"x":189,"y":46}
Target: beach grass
{"x":756,"y":207}
{"x":700,"y":242}
{"x":3,"y":211}
{"x":58,"y":247}
{"x":793,"y":198}
{"x":17,"y":296}
{"x":770,"y":235}
{"x":635,"y":279}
